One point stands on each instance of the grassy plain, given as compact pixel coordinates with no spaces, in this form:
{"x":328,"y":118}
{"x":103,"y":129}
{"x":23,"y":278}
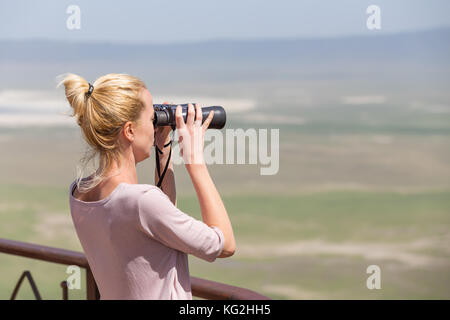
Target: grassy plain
{"x":339,"y":203}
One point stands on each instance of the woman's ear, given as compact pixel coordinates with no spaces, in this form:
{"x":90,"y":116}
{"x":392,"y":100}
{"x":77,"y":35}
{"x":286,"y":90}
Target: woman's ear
{"x":128,"y":131}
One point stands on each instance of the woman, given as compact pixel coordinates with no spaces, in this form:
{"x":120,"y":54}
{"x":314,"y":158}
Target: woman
{"x":135,"y":238}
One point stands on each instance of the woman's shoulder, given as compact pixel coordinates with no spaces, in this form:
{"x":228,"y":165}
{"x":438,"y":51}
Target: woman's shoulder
{"x":144,"y":198}
{"x":138,"y":191}
{"x":124,"y":193}
{"x":140,"y":188}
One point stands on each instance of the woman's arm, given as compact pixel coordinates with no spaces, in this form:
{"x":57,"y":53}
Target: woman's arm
{"x":211,"y":205}
{"x":191,"y":142}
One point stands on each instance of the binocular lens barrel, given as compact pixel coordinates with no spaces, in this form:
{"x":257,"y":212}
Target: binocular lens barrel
{"x":165,"y":115}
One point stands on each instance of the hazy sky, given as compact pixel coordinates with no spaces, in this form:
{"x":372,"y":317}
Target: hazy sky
{"x":197,"y":20}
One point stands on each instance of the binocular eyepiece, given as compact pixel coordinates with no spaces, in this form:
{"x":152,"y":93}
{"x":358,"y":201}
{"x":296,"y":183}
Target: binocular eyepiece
{"x":165,"y":115}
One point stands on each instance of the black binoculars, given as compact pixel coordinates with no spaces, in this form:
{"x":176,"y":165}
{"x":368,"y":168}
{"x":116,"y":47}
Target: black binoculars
{"x":165,"y":115}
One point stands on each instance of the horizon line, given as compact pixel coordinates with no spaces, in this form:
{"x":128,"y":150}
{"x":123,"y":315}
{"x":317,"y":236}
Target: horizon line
{"x":367,"y":34}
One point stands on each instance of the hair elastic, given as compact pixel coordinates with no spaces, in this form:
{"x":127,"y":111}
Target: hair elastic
{"x":91,"y":88}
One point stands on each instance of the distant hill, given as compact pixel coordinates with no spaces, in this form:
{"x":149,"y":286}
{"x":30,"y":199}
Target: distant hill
{"x":374,"y":55}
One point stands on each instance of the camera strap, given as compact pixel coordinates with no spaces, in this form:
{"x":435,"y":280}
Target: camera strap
{"x":158,"y":168}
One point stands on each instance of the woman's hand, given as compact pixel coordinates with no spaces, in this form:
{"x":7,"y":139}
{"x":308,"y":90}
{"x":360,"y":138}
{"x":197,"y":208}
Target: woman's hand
{"x":192,"y":134}
{"x":162,"y":135}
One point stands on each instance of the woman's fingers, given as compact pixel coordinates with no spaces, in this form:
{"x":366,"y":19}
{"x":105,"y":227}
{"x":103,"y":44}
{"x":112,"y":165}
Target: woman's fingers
{"x":208,"y":120}
{"x":190,"y":115}
{"x":179,"y":121}
{"x":191,"y":133}
{"x":198,"y":114}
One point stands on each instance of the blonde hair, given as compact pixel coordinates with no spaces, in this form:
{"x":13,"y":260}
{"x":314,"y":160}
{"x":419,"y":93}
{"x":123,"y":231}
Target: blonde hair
{"x":114,"y":100}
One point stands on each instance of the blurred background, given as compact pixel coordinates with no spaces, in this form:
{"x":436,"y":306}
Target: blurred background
{"x":364,"y":120}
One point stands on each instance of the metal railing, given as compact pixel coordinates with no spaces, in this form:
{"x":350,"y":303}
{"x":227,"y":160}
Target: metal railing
{"x":201,"y":288}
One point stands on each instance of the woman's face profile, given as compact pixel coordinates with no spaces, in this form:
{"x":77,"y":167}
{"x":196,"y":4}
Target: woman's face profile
{"x":144,"y":131}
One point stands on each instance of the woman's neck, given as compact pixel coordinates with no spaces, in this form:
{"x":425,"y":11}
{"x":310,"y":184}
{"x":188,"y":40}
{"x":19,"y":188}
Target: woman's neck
{"x":125,"y":173}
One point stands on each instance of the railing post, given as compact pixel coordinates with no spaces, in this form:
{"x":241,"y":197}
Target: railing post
{"x":92,"y":292}
{"x":65,"y":290}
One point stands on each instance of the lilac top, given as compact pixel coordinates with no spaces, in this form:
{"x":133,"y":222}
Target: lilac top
{"x":136,"y":242}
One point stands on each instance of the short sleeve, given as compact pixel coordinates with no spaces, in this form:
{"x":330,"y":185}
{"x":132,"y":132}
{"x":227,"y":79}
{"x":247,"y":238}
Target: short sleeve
{"x":160,"y":219}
